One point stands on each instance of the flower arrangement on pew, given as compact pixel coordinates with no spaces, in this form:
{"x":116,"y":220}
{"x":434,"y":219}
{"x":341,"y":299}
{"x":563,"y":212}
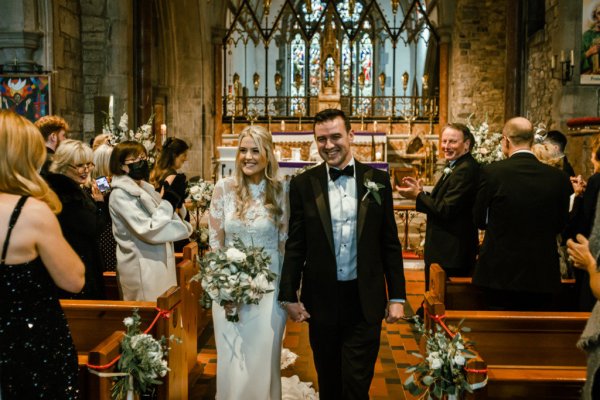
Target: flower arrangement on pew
{"x":143,"y":134}
{"x":487,"y":147}
{"x":200,"y":195}
{"x":235,"y":275}
{"x":442,"y":372}
{"x":142,"y":361}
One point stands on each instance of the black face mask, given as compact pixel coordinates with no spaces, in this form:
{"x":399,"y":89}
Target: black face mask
{"x":138,"y":170}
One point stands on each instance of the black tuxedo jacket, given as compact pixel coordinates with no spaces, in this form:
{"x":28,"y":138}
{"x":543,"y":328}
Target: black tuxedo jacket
{"x":309,"y":252}
{"x":526,"y":204}
{"x":451,"y":236}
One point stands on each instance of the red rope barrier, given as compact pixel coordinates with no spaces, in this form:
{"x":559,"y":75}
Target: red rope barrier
{"x":476,"y":371}
{"x":161,"y":313}
{"x":440,"y":320}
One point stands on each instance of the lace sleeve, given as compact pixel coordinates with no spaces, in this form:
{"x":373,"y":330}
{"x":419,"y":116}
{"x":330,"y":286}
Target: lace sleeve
{"x":285,"y":217}
{"x":216,"y":217}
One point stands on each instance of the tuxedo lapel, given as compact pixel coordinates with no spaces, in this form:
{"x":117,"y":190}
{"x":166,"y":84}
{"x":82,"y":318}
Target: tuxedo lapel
{"x":362,"y":174}
{"x":319,"y":185}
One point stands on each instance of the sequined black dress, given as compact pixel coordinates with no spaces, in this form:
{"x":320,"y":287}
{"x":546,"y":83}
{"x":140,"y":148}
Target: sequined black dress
{"x":37,"y":356}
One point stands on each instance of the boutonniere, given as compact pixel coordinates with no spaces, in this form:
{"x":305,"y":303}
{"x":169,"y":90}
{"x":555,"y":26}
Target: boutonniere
{"x":447,"y":171}
{"x":373,"y":189}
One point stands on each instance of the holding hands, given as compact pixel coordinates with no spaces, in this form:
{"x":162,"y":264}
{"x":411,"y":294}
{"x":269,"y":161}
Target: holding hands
{"x":296,"y":311}
{"x":411,"y":187}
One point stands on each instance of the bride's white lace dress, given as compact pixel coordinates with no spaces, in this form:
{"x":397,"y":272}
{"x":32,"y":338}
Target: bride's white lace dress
{"x":249,"y":351}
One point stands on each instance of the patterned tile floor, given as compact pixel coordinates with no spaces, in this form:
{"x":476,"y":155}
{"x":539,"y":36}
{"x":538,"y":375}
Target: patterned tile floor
{"x":396,"y":341}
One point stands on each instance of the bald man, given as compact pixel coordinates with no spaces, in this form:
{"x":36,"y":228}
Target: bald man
{"x":522,"y":205}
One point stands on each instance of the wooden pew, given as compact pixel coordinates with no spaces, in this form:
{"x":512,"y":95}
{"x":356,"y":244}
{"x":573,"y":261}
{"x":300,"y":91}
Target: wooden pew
{"x":92,"y":322}
{"x":529,"y":354}
{"x":459,"y":293}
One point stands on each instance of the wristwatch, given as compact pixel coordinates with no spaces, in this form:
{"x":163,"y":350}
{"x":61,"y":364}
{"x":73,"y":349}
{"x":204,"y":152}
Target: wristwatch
{"x":284,"y":304}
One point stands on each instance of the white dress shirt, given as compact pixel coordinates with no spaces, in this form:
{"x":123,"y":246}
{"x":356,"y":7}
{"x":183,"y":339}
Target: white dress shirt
{"x":343,"y":208}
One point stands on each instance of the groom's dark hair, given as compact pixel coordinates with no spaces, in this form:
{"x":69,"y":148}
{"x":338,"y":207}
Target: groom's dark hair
{"x":329,"y":114}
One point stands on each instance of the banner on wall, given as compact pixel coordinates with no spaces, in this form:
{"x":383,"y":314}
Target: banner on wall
{"x":27,"y":95}
{"x":590,"y":43}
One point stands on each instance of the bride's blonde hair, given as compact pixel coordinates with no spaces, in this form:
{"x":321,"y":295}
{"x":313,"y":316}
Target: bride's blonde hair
{"x":264,"y":142}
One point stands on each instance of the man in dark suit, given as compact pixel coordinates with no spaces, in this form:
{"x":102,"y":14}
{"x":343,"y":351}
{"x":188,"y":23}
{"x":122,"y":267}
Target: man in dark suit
{"x":451,"y":236}
{"x":523,"y":205}
{"x":343,"y":252}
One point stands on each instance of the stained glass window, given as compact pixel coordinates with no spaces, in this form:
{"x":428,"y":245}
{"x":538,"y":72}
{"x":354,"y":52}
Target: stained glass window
{"x":343,"y":8}
{"x":317,"y":9}
{"x":365,"y":73}
{"x":298,"y":63}
{"x":346,"y":67}
{"x":315,"y":65}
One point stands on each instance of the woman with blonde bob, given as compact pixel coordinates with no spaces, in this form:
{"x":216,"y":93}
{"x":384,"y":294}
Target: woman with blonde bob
{"x":252,"y":206}
{"x":84,"y":214}
{"x":37,"y":356}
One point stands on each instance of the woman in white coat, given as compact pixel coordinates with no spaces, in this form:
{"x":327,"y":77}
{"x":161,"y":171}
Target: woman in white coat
{"x":144,"y":225}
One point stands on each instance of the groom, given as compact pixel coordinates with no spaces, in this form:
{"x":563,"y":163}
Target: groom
{"x":343,"y":252}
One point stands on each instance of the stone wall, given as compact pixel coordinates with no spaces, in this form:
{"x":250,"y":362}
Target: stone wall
{"x":106,"y":32}
{"x":542,"y":84}
{"x":67,"y":78}
{"x":478,"y":62}
{"x":187,"y":60}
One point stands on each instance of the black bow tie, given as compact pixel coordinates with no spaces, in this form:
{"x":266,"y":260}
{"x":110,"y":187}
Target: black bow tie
{"x":336,"y":173}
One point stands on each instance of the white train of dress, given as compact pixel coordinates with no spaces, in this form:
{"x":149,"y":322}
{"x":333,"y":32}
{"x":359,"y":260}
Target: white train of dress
{"x":249,"y":351}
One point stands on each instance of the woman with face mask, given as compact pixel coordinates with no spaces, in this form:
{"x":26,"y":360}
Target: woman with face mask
{"x":144,"y":225}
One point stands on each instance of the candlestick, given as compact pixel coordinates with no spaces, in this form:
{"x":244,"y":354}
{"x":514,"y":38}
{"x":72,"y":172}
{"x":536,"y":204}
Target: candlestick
{"x":572,"y":58}
{"x":163,"y":133}
{"x":562,"y":56}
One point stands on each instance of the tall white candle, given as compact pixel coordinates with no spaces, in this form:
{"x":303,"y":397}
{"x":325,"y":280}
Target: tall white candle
{"x":572,"y":58}
{"x":282,"y":126}
{"x":163,"y":133}
{"x":553,"y":62}
{"x":374,"y":126}
{"x":562,"y":56}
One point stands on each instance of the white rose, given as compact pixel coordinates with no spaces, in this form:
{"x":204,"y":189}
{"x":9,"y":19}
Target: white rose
{"x":261,"y":283}
{"x":372,"y":186}
{"x":447,"y":170}
{"x":436,"y":363}
{"x":225,"y":294}
{"x":234,"y":255}
{"x":194,"y":190}
{"x":128,"y":321}
{"x":459,"y":360}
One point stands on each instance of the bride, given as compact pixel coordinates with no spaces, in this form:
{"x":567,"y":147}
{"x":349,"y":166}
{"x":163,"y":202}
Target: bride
{"x":251,"y":205}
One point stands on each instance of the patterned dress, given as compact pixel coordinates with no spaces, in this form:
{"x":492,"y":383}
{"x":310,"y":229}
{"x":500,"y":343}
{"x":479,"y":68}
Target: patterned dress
{"x":37,"y":356}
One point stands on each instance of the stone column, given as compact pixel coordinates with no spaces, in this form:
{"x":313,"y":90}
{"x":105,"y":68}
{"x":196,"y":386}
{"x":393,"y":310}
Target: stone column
{"x":20,"y":35}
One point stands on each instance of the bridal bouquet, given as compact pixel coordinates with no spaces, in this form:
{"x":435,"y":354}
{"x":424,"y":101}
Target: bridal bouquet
{"x":234,"y":275}
{"x":142,"y":359}
{"x":442,"y":372}
{"x":487,"y":147}
{"x":121,"y":133}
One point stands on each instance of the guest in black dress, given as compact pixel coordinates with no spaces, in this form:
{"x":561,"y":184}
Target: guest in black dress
{"x":172,"y":157}
{"x":37,"y":356}
{"x":84,"y":216}
{"x":108,"y":245}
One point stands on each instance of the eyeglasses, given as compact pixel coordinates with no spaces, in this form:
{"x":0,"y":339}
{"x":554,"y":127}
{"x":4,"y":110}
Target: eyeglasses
{"x":134,"y":160}
{"x":82,"y":167}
